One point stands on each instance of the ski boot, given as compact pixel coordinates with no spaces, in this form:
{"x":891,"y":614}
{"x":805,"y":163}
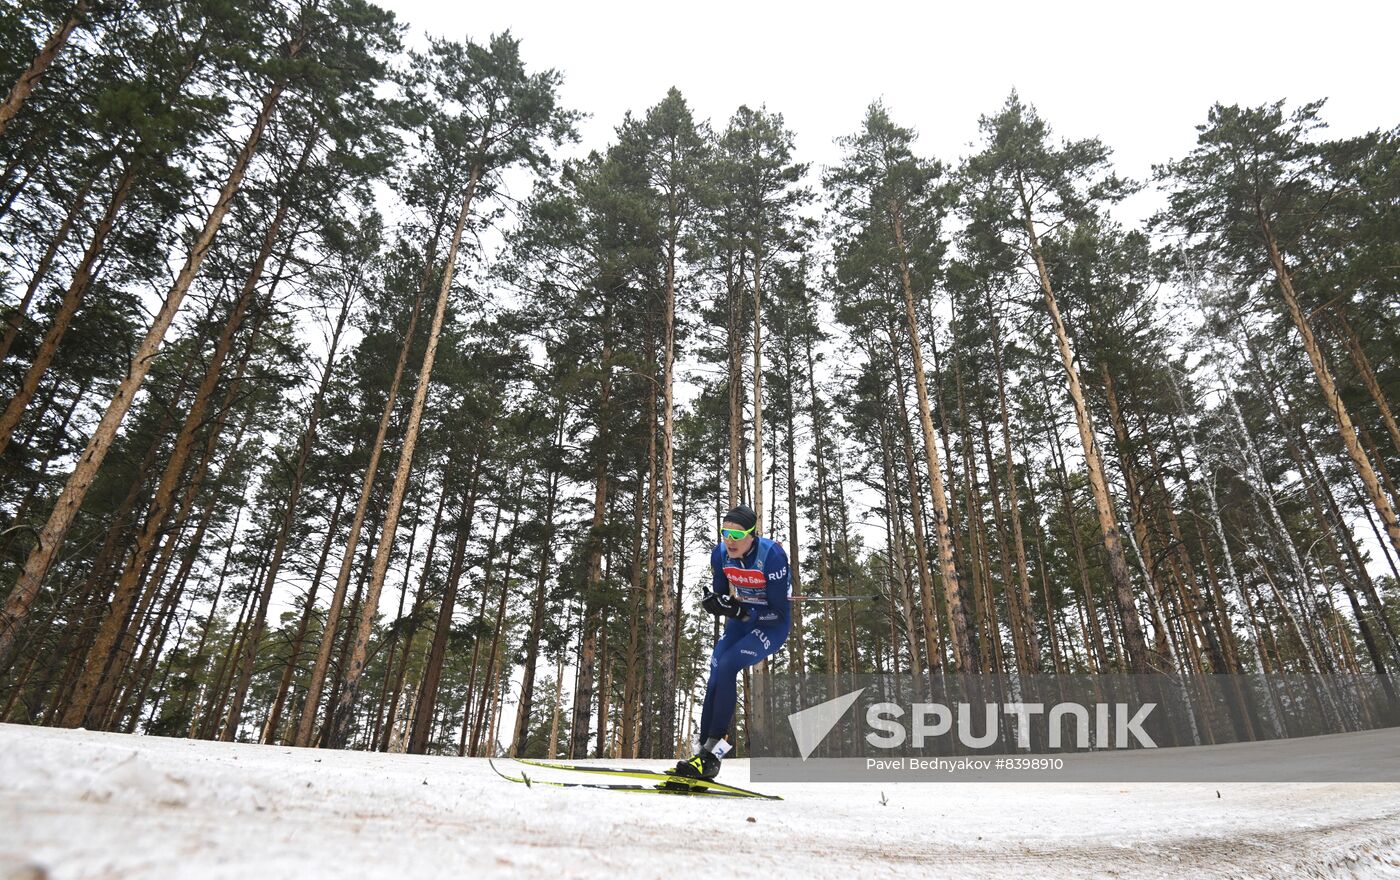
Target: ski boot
{"x":700,"y":768}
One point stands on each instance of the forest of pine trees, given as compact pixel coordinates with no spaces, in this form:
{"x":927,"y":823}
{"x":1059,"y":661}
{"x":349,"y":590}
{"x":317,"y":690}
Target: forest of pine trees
{"x":349,"y":401}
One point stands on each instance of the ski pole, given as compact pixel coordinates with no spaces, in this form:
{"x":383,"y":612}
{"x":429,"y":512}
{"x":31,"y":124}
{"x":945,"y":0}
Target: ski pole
{"x":873,"y":597}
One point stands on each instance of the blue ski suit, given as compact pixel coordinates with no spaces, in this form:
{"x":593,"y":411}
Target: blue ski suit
{"x":763,"y":583}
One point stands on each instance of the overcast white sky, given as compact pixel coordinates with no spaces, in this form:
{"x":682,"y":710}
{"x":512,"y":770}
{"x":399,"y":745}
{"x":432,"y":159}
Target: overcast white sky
{"x":1140,"y":76}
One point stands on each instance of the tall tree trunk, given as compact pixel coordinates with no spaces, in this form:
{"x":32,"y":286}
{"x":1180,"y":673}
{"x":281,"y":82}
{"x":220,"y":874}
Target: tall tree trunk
{"x":472,"y":666}
{"x":1185,"y":571}
{"x":1134,"y":641}
{"x":1329,"y":388}
{"x":1017,"y":613}
{"x":1023,"y":586}
{"x":306,"y":720}
{"x":1080,"y":560}
{"x":317,"y":680}
{"x":352,"y":674}
{"x":895,"y":537}
{"x":437,"y":651}
{"x":736,"y":372}
{"x":977,"y":596}
{"x":75,"y":490}
{"x":1306,"y":461}
{"x":214,"y":699}
{"x":537,"y":603}
{"x":192,"y":551}
{"x":578,"y":740}
{"x":68,"y":307}
{"x":552,"y":747}
{"x":291,"y":512}
{"x":31,"y":75}
{"x":307,"y":440}
{"x":1368,"y":443}
{"x":323,"y":739}
{"x":1222,"y":616}
{"x":647,"y":737}
{"x":488,"y":690}
{"x":90,"y":698}
{"x":118,"y":534}
{"x":582,"y":711}
{"x":929,"y":608}
{"x":247,"y":297}
{"x":197,"y":658}
{"x":390,"y":643}
{"x":666,"y":734}
{"x":1058,"y":649}
{"x":149,"y":586}
{"x":678,"y":597}
{"x":56,"y":242}
{"x":983,"y":602}
{"x":583,"y":689}
{"x":1254,"y":473}
{"x":1138,"y":515}
{"x":1285,"y":547}
{"x":604,"y":691}
{"x":128,"y":706}
{"x":284,"y":686}
{"x":1368,"y":377}
{"x":632,"y":666}
{"x":964,"y":638}
{"x":757,"y":387}
{"x":383,"y":742}
{"x":960,"y":554}
{"x":798,"y":651}
{"x":823,"y":528}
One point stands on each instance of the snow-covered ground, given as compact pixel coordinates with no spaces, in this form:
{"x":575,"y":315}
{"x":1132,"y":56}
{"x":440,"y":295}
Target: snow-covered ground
{"x":76,"y":804}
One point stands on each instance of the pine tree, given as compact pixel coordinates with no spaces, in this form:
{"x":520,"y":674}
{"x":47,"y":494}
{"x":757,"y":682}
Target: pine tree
{"x":506,"y":117}
{"x":892,"y":205}
{"x":1248,"y":196}
{"x":294,"y":64}
{"x":1022,"y":188}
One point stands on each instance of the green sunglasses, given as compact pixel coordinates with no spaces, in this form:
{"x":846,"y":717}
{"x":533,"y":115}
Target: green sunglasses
{"x":737,"y":534}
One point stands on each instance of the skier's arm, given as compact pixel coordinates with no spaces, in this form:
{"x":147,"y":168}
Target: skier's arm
{"x":779,"y":575}
{"x":719,"y":584}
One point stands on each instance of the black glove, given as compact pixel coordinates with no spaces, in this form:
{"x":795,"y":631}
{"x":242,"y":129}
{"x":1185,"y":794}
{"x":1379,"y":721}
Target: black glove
{"x":723,"y":603}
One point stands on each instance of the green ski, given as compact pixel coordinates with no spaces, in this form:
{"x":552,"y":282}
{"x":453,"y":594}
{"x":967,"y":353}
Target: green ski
{"x":671,"y":781}
{"x":637,"y":789}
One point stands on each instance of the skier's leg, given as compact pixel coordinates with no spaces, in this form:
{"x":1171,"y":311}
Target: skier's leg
{"x":754,"y":644}
{"x":712,"y":692}
{"x":743,"y":644}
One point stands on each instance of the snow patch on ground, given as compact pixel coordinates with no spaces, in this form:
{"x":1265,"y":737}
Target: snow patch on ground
{"x":78,"y":804}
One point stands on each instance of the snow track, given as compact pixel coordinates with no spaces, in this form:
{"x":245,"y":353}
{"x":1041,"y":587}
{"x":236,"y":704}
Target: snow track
{"x":76,"y":804}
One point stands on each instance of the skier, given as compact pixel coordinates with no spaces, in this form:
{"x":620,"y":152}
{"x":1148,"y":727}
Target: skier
{"x":751,"y":585}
